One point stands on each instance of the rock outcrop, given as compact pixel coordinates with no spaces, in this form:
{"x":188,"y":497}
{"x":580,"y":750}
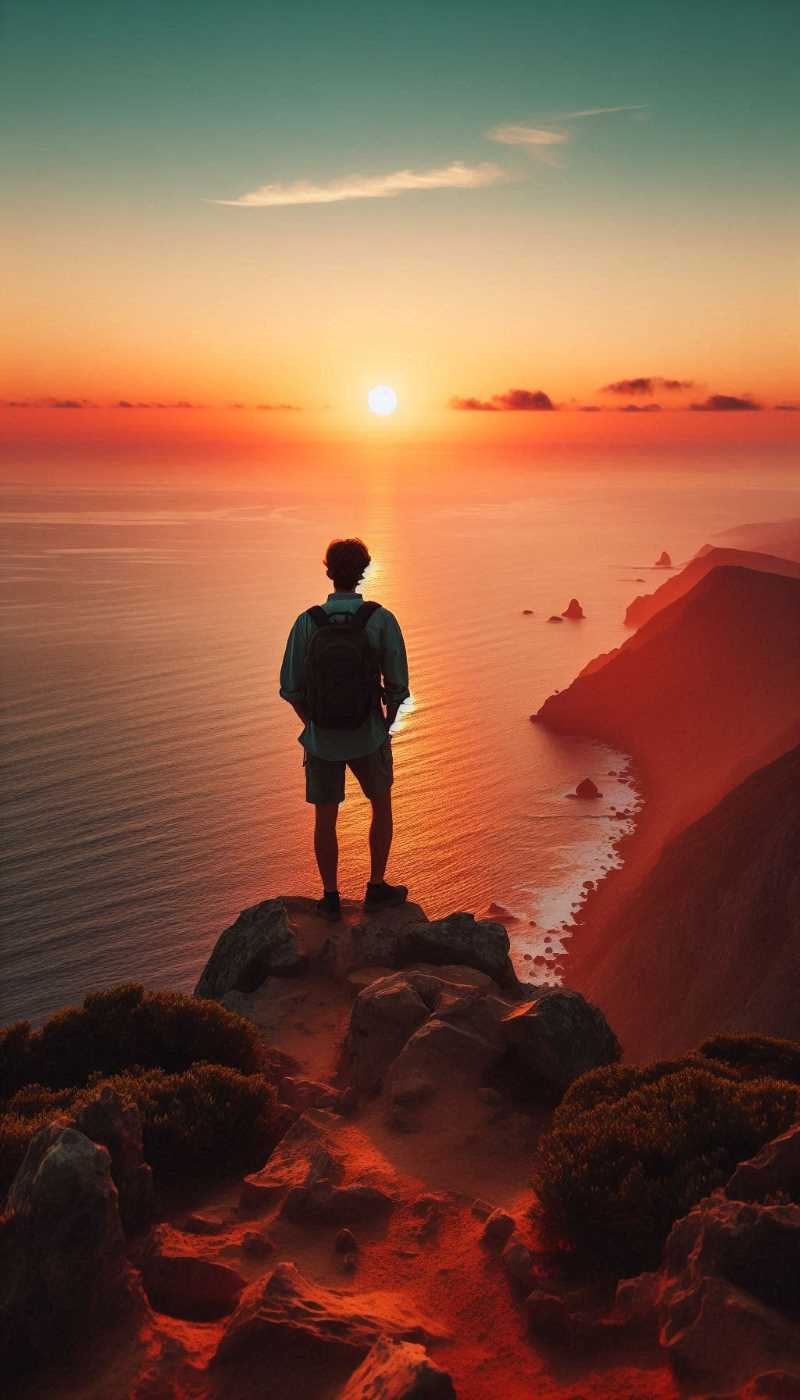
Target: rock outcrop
{"x":118,"y":1126}
{"x":62,"y":1247}
{"x":180,"y":1282}
{"x":410,"y":938}
{"x":260,"y":944}
{"x":663,"y":561}
{"x":573,"y":610}
{"x":398,"y":1371}
{"x":289,"y":1311}
{"x":587,"y":790}
{"x":727,"y":1295}
{"x":557,"y":1038}
{"x":416,"y":1035}
{"x":773,"y":1172}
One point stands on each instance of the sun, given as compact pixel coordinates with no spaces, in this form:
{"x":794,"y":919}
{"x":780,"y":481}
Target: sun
{"x":382,"y":400}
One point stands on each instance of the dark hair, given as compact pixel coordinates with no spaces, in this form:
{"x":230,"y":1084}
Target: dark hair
{"x":345,"y":562}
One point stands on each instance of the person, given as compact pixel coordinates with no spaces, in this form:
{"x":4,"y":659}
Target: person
{"x":343,"y":662}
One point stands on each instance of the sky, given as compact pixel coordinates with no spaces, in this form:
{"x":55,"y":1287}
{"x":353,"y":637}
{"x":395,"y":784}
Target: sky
{"x":500,"y":210}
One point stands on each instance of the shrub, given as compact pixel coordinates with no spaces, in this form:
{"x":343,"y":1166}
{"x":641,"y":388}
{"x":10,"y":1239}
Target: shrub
{"x":206,"y":1121}
{"x":754,"y":1055}
{"x":123,"y":1028}
{"x":614,"y":1181}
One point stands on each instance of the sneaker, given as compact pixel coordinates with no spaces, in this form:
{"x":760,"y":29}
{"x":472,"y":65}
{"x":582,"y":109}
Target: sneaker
{"x":383,"y":896}
{"x":329,"y":907}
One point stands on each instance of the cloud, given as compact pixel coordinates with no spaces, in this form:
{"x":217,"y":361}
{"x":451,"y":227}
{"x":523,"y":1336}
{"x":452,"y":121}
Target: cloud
{"x":646,"y":384}
{"x":279,"y":407}
{"x":456,"y":176}
{"x":513,"y":401}
{"x":590,"y":408}
{"x":66,"y":403}
{"x":640,"y":408}
{"x":778,"y":407}
{"x":14,"y":403}
{"x":126,"y":403}
{"x":725,"y":403}
{"x":602,"y":111}
{"x":474,"y":405}
{"x":527,"y":136}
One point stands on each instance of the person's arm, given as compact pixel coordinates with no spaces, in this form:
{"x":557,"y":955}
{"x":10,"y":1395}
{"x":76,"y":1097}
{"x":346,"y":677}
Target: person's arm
{"x":394,"y":666}
{"x":293,"y":670}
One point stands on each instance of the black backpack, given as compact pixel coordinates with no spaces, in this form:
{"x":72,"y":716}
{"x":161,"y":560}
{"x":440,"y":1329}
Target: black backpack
{"x":343,"y":683}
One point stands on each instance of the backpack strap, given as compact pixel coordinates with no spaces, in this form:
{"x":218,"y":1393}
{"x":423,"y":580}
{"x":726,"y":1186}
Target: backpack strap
{"x":318,"y":616}
{"x":363,"y":614}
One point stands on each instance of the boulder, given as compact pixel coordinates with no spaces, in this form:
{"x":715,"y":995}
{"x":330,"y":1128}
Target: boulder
{"x":411,"y":938}
{"x":62,"y":1246}
{"x":260,"y":944}
{"x":286,"y":1312}
{"x":527,"y":612}
{"x":727,"y":1295}
{"x":304,"y":1157}
{"x":463,"y":939}
{"x":755,"y":1247}
{"x":181,"y":1283}
{"x":118,"y":1127}
{"x":558,"y":1037}
{"x":384,"y":1015}
{"x":498,"y":1229}
{"x":320,"y":1202}
{"x":398,"y":1371}
{"x":573,"y":610}
{"x":439,"y":1054}
{"x":587,"y":790}
{"x":378,"y":940}
{"x":775,"y":1170}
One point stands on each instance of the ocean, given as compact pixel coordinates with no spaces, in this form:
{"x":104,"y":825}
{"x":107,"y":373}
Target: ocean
{"x":152,"y":778}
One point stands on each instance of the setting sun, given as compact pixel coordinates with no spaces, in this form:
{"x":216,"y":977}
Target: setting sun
{"x":382,"y":400}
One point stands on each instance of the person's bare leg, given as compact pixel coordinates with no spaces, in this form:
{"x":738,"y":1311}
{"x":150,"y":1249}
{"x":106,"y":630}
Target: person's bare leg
{"x":380,"y":835}
{"x":326,"y":844}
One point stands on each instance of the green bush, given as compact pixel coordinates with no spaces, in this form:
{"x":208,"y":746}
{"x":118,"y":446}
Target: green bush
{"x":123,"y":1028}
{"x":207,"y":1121}
{"x":631,"y":1150}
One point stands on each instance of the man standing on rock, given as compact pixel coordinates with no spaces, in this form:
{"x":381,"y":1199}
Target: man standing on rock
{"x":343,"y":662}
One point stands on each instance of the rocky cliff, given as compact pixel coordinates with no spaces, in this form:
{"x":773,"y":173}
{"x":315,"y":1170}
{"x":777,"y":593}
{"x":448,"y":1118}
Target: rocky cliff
{"x":648,"y":604}
{"x":711,"y":939}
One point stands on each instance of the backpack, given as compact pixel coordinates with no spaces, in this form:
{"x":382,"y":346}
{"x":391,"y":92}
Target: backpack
{"x":342,"y":672}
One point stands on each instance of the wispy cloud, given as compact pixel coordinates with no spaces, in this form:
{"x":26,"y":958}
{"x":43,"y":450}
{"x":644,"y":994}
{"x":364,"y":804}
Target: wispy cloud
{"x":602,"y":111}
{"x":456,"y":176}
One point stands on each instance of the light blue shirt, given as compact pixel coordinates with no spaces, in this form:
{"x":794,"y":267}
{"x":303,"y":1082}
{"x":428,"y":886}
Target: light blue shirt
{"x":384,"y":636}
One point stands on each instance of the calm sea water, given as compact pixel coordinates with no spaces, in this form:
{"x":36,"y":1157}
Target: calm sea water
{"x":153,"y":781}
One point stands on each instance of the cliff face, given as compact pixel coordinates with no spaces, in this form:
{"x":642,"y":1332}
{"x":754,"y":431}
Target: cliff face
{"x":702,"y":695}
{"x":647,"y":605}
{"x":715,"y":927}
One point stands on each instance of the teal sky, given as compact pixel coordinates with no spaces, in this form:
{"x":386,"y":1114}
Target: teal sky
{"x":121,"y":121}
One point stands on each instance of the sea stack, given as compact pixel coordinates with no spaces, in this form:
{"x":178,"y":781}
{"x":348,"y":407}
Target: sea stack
{"x":574,"y":611}
{"x":587,"y":790}
{"x":663,"y":561}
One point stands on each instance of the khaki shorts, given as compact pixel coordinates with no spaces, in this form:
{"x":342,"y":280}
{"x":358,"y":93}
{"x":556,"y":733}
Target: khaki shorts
{"x":325,"y":778}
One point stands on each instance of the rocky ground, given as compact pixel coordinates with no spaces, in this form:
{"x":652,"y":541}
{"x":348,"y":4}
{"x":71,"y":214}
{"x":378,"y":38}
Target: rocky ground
{"x":390,"y":1246}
